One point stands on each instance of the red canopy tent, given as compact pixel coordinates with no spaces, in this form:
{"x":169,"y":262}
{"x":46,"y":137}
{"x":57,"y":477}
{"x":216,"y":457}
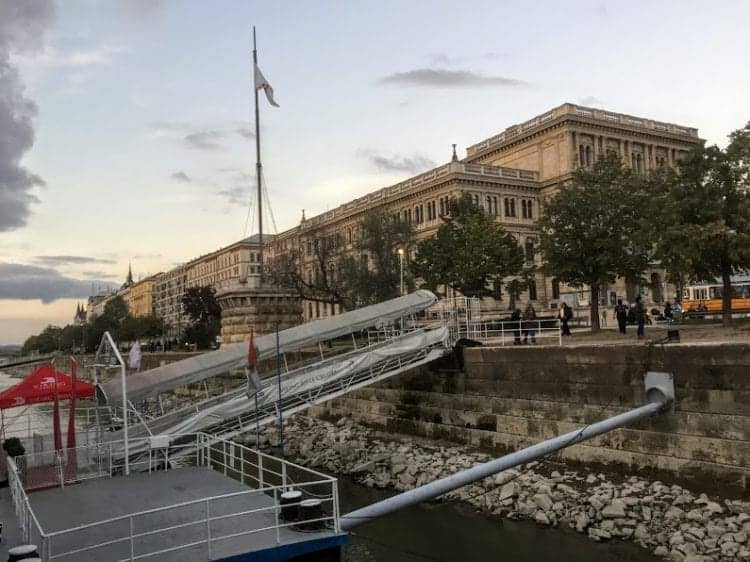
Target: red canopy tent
{"x":45,"y":384}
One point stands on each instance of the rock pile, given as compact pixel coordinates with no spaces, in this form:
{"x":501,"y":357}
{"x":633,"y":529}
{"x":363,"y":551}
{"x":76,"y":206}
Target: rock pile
{"x":668,"y":520}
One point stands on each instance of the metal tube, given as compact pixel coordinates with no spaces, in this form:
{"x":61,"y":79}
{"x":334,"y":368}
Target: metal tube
{"x":479,"y":472}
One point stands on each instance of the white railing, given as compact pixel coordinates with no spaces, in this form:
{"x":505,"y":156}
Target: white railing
{"x":516,"y":332}
{"x":205,"y":522}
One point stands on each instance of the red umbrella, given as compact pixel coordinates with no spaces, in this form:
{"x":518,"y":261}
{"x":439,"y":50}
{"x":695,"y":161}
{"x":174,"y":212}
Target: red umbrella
{"x":40,"y":387}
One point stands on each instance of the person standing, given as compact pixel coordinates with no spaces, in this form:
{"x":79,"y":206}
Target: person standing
{"x":565,"y":314}
{"x":515,"y":321}
{"x":604,"y":318}
{"x":529,"y":320}
{"x":640,"y":316}
{"x":621,"y":313}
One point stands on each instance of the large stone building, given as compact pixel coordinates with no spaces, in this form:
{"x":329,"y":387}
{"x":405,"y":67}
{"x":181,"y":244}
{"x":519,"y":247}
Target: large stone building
{"x":168,"y":292}
{"x":226,"y":266}
{"x":510,"y":175}
{"x":141,"y":296}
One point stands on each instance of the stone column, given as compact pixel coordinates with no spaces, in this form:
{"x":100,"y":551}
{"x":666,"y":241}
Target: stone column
{"x":574,"y":163}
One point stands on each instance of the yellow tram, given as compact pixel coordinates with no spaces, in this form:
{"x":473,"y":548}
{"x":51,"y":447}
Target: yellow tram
{"x":707,"y":297}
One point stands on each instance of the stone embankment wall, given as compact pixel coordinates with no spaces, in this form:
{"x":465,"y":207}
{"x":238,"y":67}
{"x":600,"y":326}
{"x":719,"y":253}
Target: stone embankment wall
{"x":509,"y":398}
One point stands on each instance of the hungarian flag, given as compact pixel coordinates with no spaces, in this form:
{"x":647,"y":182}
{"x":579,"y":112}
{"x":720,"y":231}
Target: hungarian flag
{"x":262,"y":84}
{"x":251,"y":371}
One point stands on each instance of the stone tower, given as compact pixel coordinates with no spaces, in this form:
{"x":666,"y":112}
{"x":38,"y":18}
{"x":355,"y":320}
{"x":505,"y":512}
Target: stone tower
{"x":258,"y":307}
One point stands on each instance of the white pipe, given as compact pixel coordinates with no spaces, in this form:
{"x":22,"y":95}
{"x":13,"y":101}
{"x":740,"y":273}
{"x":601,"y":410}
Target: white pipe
{"x":657,"y":391}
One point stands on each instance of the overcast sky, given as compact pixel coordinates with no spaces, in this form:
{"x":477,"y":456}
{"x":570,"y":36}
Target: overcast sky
{"x":126,"y":131}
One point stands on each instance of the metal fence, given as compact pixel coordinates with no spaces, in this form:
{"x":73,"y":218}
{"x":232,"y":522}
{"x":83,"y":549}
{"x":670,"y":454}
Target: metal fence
{"x":203,"y":524}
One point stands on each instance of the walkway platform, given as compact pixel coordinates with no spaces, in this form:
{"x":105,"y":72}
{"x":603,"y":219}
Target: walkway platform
{"x":102,"y":499}
{"x":219,"y":502}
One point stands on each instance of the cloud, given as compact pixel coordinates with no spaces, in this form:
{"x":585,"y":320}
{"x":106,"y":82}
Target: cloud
{"x":147,"y":256}
{"x":413,"y":164}
{"x":246,"y":132}
{"x":67,"y":260}
{"x":98,"y":274}
{"x":442,"y":59}
{"x":181,"y":177}
{"x":22,"y":26}
{"x":237,"y":195}
{"x":590,"y":101}
{"x":141,"y":10}
{"x":28,"y":282}
{"x":444,"y":78}
{"x":204,"y":140}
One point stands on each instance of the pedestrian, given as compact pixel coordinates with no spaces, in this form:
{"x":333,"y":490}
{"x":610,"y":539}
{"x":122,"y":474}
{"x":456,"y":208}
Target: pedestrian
{"x":604,"y":317}
{"x":529,"y":329}
{"x":668,"y":311}
{"x":640,"y":316}
{"x":565,"y":314}
{"x":515,"y":321}
{"x":621,"y":313}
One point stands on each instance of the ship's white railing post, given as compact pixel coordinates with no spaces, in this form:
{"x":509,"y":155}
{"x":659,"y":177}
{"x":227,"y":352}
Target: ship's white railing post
{"x":132,"y":546}
{"x":208,"y":527}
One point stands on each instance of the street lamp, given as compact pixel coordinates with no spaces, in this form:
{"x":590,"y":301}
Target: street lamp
{"x":401,"y":263}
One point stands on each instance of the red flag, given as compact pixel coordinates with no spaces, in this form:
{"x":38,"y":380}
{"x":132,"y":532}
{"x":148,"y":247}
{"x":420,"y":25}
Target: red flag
{"x":72,"y":412}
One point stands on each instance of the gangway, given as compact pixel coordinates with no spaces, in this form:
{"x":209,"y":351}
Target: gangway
{"x":233,"y":356}
{"x":233,"y":413}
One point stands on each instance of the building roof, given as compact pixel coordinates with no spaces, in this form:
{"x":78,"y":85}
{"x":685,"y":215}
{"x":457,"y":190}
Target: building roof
{"x":514,"y":132}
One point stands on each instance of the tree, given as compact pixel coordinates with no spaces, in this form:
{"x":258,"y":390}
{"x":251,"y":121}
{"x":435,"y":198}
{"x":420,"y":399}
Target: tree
{"x":205,"y":314}
{"x":471,"y":253}
{"x":318,"y":284}
{"x":373,"y":273}
{"x":703,"y":211}
{"x":590,"y":230}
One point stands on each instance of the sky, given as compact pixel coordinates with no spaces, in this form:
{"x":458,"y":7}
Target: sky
{"x":127,"y":128}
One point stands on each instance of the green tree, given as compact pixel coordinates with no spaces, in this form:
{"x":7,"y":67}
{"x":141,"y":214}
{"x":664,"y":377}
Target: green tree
{"x":703,"y":211}
{"x":471,"y":253}
{"x":591,"y":230}
{"x":204,"y":312}
{"x":49,"y":340}
{"x":373,"y":273}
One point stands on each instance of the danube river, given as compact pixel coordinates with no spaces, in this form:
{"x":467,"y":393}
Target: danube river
{"x":448,"y":532}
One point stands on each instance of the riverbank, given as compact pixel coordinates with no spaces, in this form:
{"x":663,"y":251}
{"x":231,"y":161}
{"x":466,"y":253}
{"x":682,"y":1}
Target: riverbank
{"x":669,"y":521}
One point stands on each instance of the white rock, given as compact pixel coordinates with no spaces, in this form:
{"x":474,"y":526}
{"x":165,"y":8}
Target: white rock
{"x":614,"y":510}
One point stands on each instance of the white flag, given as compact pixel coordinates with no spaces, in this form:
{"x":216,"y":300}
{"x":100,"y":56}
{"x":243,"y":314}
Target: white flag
{"x":134,"y":358}
{"x":262,"y":83}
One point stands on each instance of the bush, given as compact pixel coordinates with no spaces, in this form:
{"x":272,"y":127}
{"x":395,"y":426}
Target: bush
{"x":13,"y":447}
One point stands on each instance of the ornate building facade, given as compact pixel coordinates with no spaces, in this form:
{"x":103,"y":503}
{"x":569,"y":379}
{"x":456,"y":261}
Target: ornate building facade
{"x":510,"y":174}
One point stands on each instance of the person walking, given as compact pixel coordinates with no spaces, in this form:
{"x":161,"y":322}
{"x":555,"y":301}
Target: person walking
{"x":515,"y":321}
{"x":621,"y":313}
{"x":529,"y":321}
{"x":565,"y":314}
{"x":640,"y":316}
{"x":604,"y":318}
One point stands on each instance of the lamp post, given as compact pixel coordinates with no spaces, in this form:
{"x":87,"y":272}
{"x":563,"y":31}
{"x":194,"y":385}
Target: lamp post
{"x":401,"y":264}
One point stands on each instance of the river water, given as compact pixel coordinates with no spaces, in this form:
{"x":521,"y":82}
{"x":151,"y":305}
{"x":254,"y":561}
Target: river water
{"x":450,"y":532}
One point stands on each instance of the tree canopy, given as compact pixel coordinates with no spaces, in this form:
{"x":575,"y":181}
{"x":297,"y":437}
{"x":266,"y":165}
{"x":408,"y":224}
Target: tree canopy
{"x":204,"y":312}
{"x":372,"y":273}
{"x":471,"y":253}
{"x":703,"y":231}
{"x":591,"y":230}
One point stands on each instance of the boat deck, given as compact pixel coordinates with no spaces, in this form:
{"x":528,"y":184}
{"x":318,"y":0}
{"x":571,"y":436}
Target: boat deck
{"x":179,"y":533}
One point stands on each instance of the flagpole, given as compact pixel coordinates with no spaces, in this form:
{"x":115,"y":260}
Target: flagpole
{"x":258,"y":165}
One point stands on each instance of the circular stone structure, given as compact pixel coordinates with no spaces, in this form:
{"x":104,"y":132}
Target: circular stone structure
{"x":258,"y":307}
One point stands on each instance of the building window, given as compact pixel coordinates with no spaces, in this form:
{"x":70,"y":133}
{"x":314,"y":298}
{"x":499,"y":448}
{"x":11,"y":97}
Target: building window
{"x":532,"y":290}
{"x":475,"y":199}
{"x":555,"y":289}
{"x":526,"y":211}
{"x":510,"y":207}
{"x":529,"y":250}
{"x":442,"y":207}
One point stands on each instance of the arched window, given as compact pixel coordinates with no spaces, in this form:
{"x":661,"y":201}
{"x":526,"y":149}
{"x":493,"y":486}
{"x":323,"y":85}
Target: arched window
{"x":529,"y":248}
{"x":581,"y":155}
{"x":588,"y":156}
